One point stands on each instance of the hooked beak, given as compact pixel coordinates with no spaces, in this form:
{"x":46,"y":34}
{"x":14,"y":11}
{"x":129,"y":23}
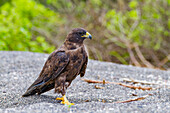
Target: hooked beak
{"x":87,"y":35}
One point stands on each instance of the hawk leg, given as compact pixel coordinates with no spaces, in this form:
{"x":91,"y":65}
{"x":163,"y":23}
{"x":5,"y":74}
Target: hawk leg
{"x":62,"y":89}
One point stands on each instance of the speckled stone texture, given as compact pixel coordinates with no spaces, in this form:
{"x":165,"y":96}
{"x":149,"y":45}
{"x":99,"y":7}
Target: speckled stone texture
{"x":18,"y":70}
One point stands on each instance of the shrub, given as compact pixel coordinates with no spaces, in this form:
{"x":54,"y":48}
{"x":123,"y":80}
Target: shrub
{"x":19,"y":19}
{"x":141,"y":28}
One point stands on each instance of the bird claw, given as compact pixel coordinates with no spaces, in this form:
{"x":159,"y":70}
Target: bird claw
{"x":64,"y":101}
{"x":67,"y":103}
{"x":60,"y":99}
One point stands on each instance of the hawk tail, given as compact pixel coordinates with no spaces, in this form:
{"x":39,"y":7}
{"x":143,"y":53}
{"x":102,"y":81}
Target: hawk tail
{"x":33,"y":89}
{"x":38,"y":89}
{"x":30,"y":92}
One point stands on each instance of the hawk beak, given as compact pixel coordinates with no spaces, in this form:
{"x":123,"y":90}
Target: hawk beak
{"x":87,"y":35}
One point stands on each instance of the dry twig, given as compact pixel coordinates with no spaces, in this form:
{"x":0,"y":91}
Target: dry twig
{"x":129,"y":86}
{"x":135,"y":99}
{"x":143,"y":82}
{"x":98,"y":87}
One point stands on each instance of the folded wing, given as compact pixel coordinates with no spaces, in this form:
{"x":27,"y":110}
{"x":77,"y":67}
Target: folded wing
{"x":55,"y":64}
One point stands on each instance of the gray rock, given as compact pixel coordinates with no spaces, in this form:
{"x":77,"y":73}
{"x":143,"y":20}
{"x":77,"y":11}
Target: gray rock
{"x":18,"y":70}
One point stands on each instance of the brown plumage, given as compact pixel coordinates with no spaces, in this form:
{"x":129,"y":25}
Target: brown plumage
{"x":63,"y":65}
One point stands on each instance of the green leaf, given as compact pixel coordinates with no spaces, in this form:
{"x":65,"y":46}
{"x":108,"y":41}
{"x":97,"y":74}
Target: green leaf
{"x":110,"y":13}
{"x":2,"y":45}
{"x":133,"y":14}
{"x":40,"y":39}
{"x":49,"y":1}
{"x":133,"y":4}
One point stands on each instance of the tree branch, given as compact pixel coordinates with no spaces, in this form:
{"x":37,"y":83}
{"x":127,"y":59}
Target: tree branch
{"x":141,"y":57}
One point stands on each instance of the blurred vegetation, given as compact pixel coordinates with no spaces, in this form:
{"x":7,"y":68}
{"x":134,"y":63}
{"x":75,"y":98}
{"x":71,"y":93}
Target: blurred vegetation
{"x":133,"y":32}
{"x":18,"y":21}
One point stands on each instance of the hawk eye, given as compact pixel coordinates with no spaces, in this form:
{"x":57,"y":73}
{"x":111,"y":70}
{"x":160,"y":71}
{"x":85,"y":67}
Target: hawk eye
{"x":81,"y":33}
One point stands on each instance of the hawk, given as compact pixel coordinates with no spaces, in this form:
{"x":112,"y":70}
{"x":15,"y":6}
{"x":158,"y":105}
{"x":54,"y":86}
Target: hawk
{"x":63,"y":66}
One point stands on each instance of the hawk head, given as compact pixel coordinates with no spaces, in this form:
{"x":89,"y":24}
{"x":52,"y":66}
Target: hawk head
{"x":78,"y":35}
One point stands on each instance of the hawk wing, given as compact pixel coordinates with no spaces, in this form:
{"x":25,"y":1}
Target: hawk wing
{"x":54,"y":65}
{"x":83,"y":69}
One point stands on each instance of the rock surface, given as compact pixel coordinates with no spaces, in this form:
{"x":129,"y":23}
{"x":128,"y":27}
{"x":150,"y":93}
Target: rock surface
{"x":18,"y":70}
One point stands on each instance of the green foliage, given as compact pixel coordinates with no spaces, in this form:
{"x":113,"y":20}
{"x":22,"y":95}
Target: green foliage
{"x":122,"y":30}
{"x":139,"y":25}
{"x":17,"y":18}
{"x":144,"y":25}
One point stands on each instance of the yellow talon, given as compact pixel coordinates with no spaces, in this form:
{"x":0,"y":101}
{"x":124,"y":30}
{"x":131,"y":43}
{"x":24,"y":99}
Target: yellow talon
{"x":59,"y":98}
{"x":64,"y":101}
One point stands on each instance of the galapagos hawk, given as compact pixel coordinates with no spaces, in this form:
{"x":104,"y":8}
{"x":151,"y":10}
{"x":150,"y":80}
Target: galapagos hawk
{"x":63,"y":66}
